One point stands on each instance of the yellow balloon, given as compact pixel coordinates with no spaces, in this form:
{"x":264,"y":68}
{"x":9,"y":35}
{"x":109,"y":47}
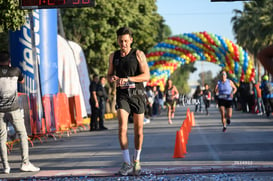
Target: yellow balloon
{"x":168,"y":41}
{"x":232,"y":65}
{"x":247,"y":78}
{"x":248,"y":72}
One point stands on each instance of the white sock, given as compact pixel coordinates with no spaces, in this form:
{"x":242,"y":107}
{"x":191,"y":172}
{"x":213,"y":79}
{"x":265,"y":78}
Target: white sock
{"x":126,"y":156}
{"x":137,"y":155}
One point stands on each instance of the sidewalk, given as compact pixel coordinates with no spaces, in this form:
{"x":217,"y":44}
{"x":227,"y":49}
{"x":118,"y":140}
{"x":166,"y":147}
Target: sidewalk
{"x":247,"y":146}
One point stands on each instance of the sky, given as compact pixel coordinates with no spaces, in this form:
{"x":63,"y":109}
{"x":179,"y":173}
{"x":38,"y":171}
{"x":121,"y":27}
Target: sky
{"x":188,"y":16}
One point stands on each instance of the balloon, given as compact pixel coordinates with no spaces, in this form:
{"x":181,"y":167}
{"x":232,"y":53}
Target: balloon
{"x":165,"y":57}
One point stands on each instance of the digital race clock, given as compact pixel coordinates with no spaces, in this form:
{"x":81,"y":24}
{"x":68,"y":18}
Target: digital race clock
{"x":46,"y":4}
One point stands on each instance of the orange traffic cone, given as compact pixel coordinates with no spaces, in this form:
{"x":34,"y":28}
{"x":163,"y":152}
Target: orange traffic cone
{"x":189,"y":116}
{"x":181,"y":127}
{"x":185,"y":137}
{"x":188,"y":119}
{"x":180,"y":146}
{"x":188,"y":110}
{"x":192,"y":119}
{"x":185,"y":125}
{"x":185,"y":131}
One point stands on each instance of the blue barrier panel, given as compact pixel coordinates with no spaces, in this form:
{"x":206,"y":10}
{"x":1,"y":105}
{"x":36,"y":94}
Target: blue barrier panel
{"x":40,"y":73}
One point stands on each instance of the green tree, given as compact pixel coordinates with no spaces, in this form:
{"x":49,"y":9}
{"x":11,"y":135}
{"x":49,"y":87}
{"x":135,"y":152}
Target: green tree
{"x":181,"y":76}
{"x":94,"y":28}
{"x":4,"y":45}
{"x":11,"y":17}
{"x":253,"y":26}
{"x":205,"y":77}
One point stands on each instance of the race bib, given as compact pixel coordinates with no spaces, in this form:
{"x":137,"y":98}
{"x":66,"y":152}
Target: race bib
{"x":223,"y":96}
{"x":128,"y":85}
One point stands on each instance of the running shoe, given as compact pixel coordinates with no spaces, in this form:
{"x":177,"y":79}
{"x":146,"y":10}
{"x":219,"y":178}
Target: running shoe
{"x":224,"y":129}
{"x":29,"y":167}
{"x":146,"y":121}
{"x":125,"y":169}
{"x":7,"y":170}
{"x":137,"y":168}
{"x":170,"y":121}
{"x":228,"y":121}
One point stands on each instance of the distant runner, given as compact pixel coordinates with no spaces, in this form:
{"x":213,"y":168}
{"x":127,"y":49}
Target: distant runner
{"x":225,"y":89}
{"x":171,"y":94}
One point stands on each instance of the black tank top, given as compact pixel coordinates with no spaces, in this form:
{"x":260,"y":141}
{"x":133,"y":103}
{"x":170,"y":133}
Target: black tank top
{"x":127,"y":66}
{"x":169,"y":94}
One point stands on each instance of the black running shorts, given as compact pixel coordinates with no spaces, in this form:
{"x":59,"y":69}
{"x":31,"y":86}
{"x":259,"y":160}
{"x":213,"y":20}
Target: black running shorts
{"x":171,"y":103}
{"x":135,"y":104}
{"x":225,"y":103}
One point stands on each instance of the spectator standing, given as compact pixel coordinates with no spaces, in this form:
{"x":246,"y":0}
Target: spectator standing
{"x":267,"y":94}
{"x":161,"y":100}
{"x":149,"y":104}
{"x":207,"y":98}
{"x":198,"y":97}
{"x":251,"y":97}
{"x":244,"y":91}
{"x":10,"y":112}
{"x":94,"y":102}
{"x":259,"y":100}
{"x":156,"y":104}
{"x":102,"y":97}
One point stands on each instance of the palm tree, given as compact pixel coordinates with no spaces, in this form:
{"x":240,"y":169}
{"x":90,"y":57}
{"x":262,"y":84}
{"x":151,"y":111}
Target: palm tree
{"x":253,"y":27}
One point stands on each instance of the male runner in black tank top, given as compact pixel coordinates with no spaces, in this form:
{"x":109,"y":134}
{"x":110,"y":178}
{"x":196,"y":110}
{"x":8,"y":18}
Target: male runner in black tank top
{"x":129,"y":69}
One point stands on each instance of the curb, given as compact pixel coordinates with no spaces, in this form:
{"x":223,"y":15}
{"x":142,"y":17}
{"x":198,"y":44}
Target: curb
{"x":207,"y":169}
{"x":112,"y":172}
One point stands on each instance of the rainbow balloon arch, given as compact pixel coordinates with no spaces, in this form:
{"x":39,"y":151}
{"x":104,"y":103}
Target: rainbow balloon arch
{"x":165,"y":57}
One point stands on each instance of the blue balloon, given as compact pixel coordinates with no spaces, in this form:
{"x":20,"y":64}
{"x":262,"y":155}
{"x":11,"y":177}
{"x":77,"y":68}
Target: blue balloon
{"x":151,"y":63}
{"x":236,"y":68}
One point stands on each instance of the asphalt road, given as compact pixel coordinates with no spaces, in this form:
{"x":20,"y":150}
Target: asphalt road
{"x":244,"y":151}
